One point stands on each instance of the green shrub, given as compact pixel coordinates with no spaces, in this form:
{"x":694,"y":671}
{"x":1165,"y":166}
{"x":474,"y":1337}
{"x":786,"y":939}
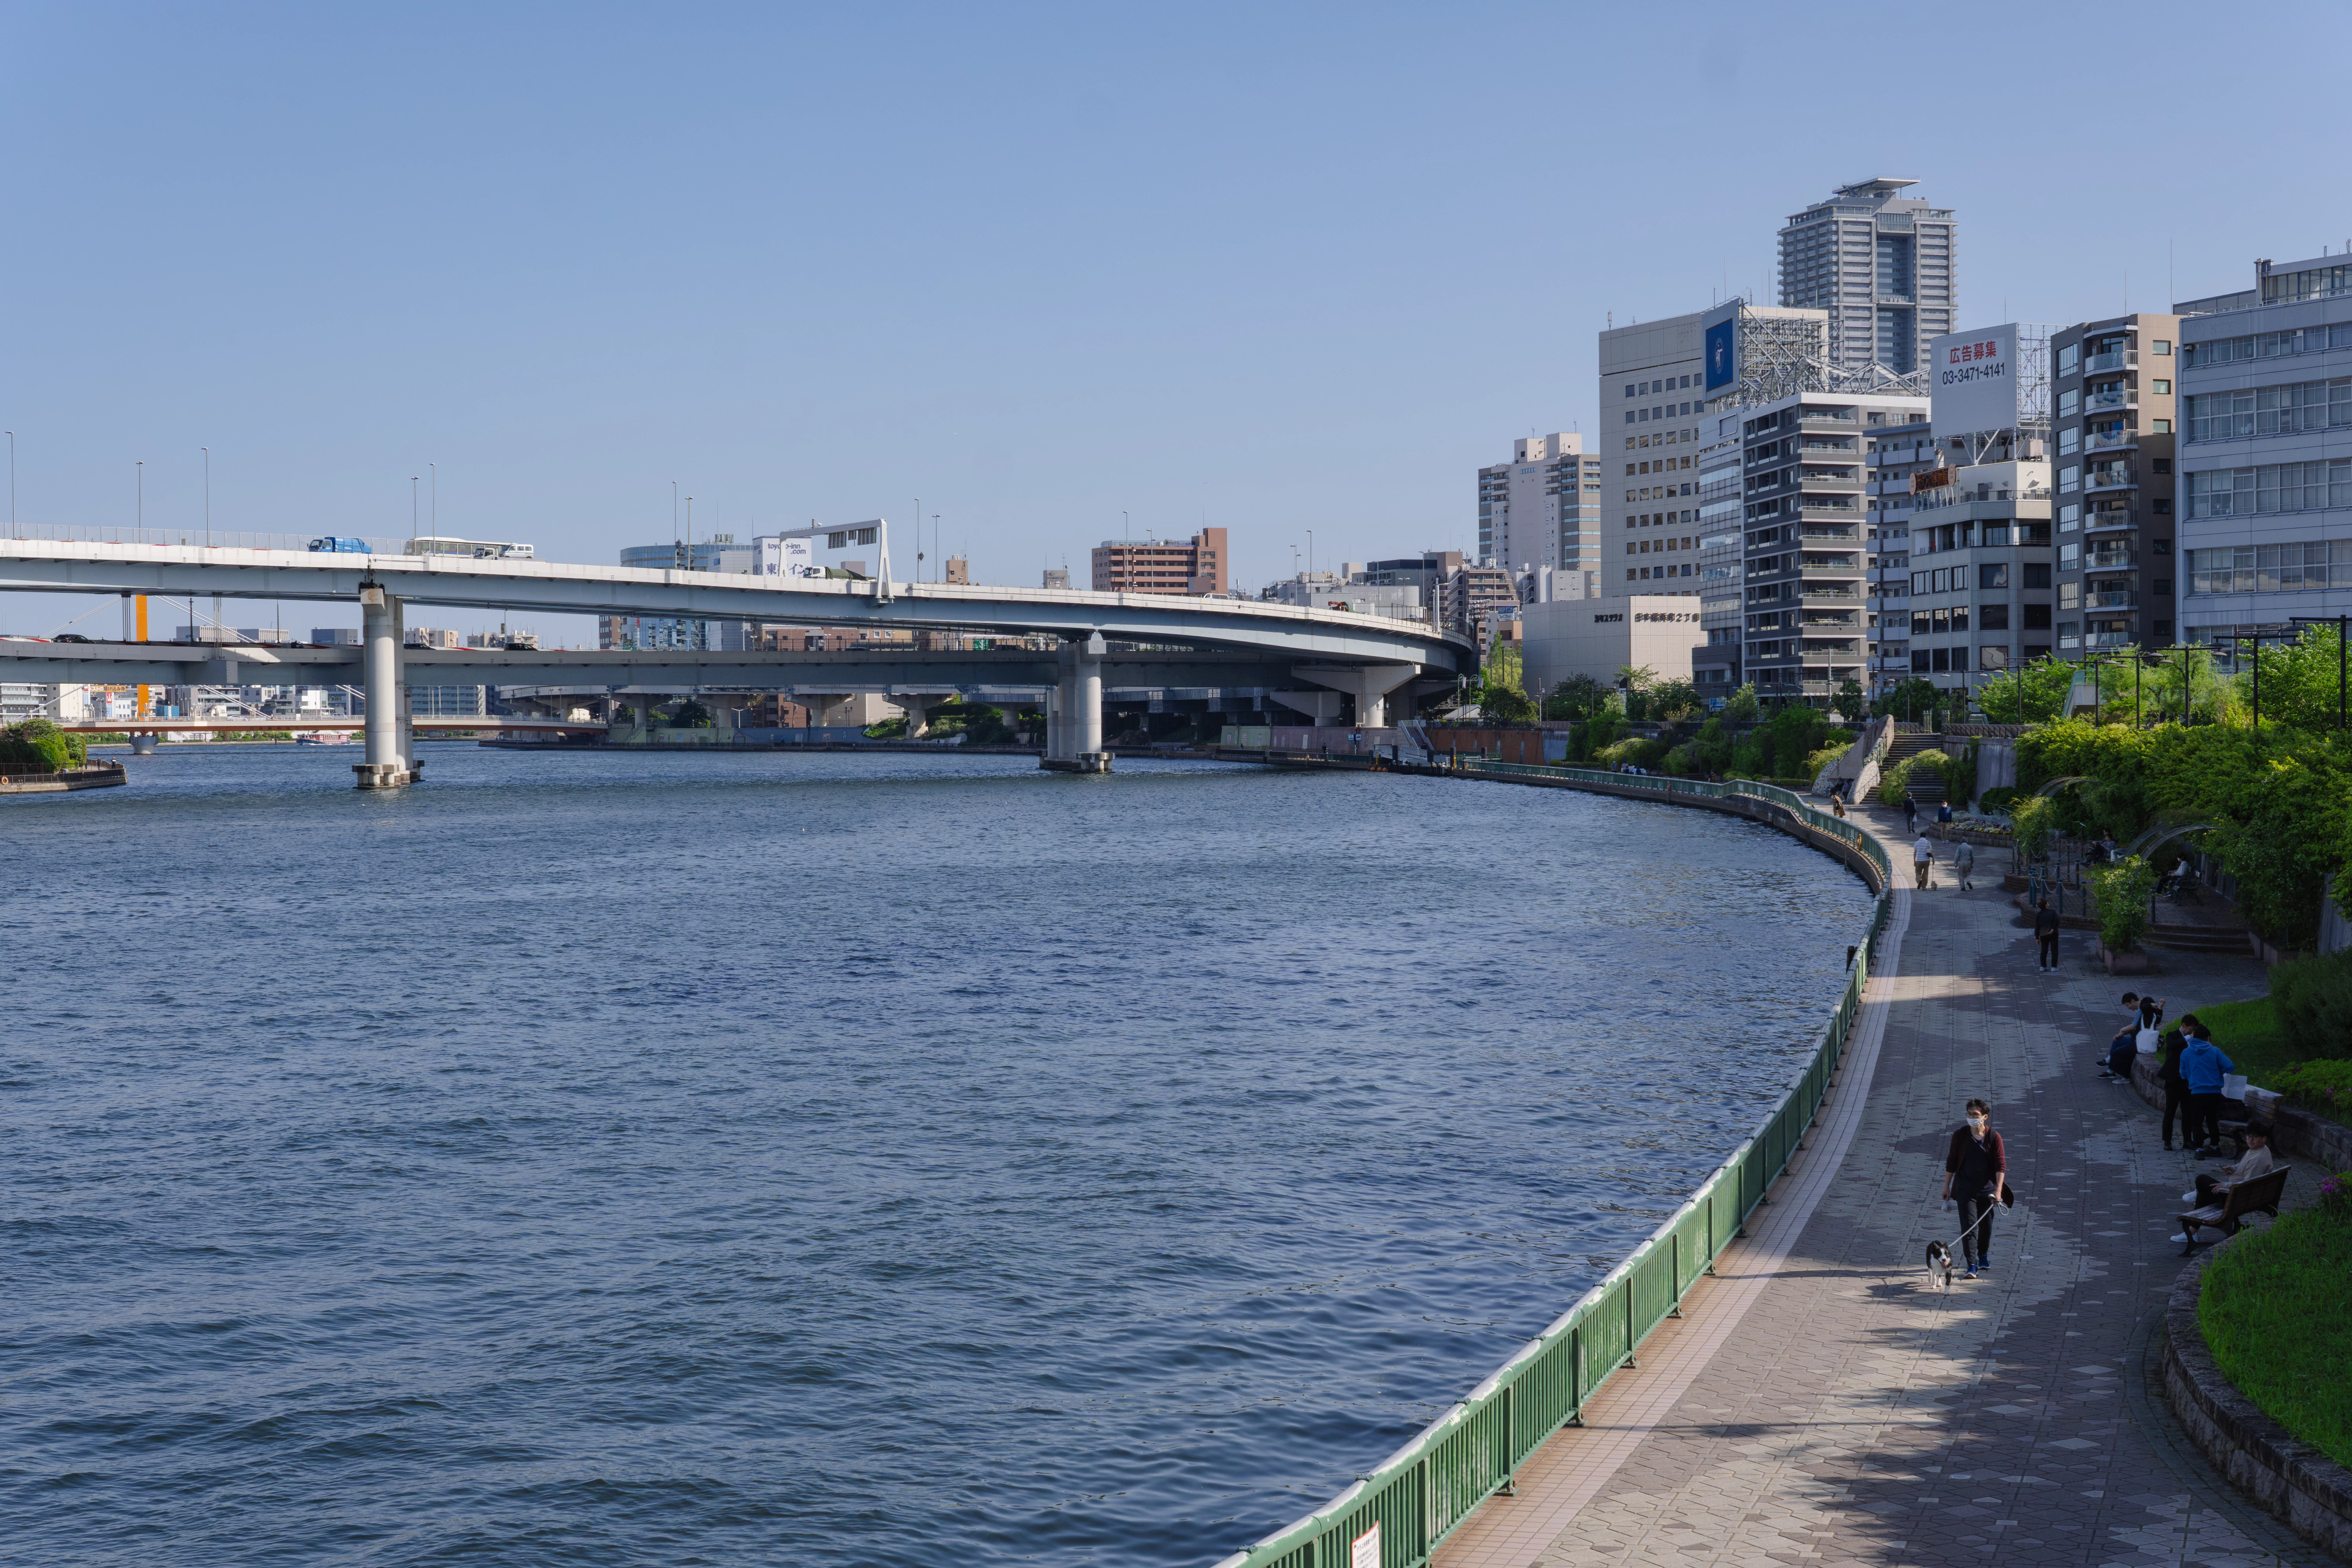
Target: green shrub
{"x":1895,"y":782}
{"x":2123,"y":890}
{"x":1641,"y":754}
{"x":2275,"y":1308}
{"x":2325,"y":1087}
{"x":2313,"y":998}
{"x":38,"y":746}
{"x":1998,"y":798}
{"x":2034,"y":818}
{"x":1684,"y":761}
{"x":1821,"y":759}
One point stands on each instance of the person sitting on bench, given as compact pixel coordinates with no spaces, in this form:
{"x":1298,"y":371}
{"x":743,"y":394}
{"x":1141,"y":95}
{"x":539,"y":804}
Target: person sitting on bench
{"x":2257,"y":1161}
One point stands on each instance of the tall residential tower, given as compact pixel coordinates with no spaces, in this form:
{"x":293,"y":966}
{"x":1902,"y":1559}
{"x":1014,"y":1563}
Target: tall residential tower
{"x":1884,"y":266}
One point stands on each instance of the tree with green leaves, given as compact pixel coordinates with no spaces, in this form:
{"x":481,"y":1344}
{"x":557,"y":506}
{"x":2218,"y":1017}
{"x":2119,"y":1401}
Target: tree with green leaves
{"x":1578,"y":697}
{"x":1505,"y":705}
{"x":1913,"y":701}
{"x":1742,"y":706}
{"x":1672,"y":701}
{"x":2028,"y":694}
{"x":1850,"y":699}
{"x":38,"y":746}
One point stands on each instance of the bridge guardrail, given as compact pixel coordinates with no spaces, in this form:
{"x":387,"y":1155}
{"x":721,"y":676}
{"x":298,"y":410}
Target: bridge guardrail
{"x":1422,"y":1493}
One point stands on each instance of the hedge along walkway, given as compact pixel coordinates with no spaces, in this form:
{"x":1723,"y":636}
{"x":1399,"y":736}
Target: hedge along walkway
{"x":1819,"y":1405}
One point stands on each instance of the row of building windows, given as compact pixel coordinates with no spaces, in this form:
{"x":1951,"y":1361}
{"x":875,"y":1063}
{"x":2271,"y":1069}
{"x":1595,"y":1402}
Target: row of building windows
{"x":1988,"y":575}
{"x":1648,"y":574}
{"x":2271,"y":487}
{"x":1666,"y":411}
{"x":2313,"y":283}
{"x":1990,"y":656}
{"x":1671,"y":384}
{"x":1989,"y":618}
{"x":2265,"y":345}
{"x":2271,"y":568}
{"x":2281,"y":410}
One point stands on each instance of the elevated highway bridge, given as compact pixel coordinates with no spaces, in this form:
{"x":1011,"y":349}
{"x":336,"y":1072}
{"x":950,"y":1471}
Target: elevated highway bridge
{"x":1184,"y":643}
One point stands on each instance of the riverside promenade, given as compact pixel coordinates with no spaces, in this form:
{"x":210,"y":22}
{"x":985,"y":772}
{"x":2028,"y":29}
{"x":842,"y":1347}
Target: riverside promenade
{"x":1819,"y":1404}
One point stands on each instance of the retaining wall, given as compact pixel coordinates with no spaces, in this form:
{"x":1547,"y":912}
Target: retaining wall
{"x":2290,"y":1479}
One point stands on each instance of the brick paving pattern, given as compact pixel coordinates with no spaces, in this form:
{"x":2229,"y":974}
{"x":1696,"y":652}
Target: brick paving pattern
{"x":1821,"y":1404}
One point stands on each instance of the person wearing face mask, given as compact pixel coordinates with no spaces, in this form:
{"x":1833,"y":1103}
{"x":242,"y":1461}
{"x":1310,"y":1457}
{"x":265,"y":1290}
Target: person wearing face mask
{"x":1976,"y":1174}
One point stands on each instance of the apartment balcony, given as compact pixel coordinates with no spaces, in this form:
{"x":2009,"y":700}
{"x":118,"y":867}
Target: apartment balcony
{"x":1812,"y":503}
{"x":1827,"y":417}
{"x":1845,"y":535}
{"x":2115,"y":401}
{"x":2107,"y":522}
{"x":2121,"y":358}
{"x":2110,"y":440}
{"x":2110,"y":639}
{"x":2117,"y":600}
{"x":1813,"y":594}
{"x":2115,"y":478}
{"x":1833,"y":444}
{"x":2111,"y":561}
{"x":1832,"y":477}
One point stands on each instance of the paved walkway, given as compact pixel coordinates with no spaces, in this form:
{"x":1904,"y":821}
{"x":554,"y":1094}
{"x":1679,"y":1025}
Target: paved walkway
{"x":1819,"y":1404}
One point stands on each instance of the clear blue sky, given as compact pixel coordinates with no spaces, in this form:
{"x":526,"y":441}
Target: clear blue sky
{"x":1277,"y":268}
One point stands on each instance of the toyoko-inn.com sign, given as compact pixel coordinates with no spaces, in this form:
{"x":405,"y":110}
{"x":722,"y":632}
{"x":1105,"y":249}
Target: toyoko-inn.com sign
{"x":1973,"y":379}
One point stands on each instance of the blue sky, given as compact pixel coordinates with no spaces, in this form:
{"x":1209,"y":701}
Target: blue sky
{"x":1276,"y":268}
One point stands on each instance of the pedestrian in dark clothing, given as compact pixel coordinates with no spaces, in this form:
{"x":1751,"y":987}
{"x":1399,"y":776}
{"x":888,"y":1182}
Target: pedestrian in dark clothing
{"x":1910,"y":813}
{"x":2176,"y":1088}
{"x":2204,"y":1065}
{"x":2045,"y":934}
{"x":1944,"y":811}
{"x":1976,"y":1171}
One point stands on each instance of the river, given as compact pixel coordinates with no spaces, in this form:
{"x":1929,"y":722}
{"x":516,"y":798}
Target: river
{"x":823,"y":1159}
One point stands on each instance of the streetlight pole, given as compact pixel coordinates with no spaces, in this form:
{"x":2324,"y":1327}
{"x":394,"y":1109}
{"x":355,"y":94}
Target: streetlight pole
{"x":139,"y":516}
{"x":12,"y":487}
{"x":435,"y":470}
{"x":412,"y":508}
{"x":207,"y":452}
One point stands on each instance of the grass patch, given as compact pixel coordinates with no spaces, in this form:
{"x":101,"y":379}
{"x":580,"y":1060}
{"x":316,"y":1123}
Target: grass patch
{"x":2248,"y":1034}
{"x":2276,"y":1311}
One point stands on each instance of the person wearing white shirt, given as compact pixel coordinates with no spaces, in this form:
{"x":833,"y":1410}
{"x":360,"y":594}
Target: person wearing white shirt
{"x":1923,"y":854}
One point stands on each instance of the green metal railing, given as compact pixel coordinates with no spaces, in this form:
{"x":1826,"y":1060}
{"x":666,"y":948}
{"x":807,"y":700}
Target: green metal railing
{"x":1422,"y":1492}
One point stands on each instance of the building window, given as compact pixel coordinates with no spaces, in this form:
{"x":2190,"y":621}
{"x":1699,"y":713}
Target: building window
{"x":1994,"y":574}
{"x":2037,"y":617}
{"x":2037,"y":575}
{"x":1992,"y":618}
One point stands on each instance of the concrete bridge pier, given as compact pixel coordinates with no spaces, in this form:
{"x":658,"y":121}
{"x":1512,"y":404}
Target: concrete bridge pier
{"x":390,"y":741}
{"x":1368,"y":684}
{"x":1074,"y":739}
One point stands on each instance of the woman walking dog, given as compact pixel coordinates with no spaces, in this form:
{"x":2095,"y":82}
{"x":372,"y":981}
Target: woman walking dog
{"x":1976,"y":1172}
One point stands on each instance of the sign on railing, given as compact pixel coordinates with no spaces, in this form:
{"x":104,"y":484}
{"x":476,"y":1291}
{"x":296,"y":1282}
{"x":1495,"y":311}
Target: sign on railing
{"x":1418,"y":1496}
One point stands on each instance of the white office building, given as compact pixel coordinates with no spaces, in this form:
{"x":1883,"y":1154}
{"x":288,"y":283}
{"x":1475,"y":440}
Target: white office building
{"x":2264,"y":501}
{"x":1540,"y":510}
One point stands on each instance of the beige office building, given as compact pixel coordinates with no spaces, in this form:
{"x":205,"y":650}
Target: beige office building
{"x":1600,"y":636}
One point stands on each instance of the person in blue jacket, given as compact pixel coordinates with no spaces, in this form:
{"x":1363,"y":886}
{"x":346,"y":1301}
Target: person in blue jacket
{"x":2202,"y":1067}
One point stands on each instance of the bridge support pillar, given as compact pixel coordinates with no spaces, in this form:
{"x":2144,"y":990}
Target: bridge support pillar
{"x":1368,"y":684}
{"x":1074,"y":743}
{"x":389,"y":746}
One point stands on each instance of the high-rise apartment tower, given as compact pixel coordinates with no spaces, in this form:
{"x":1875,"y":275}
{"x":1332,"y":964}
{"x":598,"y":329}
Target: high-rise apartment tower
{"x":1884,"y":266}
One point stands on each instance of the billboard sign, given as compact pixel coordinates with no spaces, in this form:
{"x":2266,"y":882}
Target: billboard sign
{"x":786,"y":557}
{"x":1721,"y":330}
{"x":1974,"y":384}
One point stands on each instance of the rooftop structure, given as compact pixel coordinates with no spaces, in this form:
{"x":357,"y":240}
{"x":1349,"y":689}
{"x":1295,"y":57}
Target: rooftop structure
{"x":1883,"y":265}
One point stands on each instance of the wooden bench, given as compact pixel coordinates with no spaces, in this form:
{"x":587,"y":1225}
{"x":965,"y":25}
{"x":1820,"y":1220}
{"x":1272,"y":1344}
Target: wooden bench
{"x":2260,"y":1195}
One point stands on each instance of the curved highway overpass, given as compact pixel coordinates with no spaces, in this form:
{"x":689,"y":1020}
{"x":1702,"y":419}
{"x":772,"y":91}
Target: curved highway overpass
{"x":1366,"y":656}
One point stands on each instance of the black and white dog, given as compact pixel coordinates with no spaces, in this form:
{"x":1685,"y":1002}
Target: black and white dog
{"x":1940,"y":1266}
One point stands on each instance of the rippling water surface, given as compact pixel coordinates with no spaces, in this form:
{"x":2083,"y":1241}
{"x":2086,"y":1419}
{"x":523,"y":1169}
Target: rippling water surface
{"x":827,"y":1159}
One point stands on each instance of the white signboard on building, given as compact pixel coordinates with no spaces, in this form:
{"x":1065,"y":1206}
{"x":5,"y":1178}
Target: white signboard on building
{"x":1973,"y":381}
{"x":786,"y":557}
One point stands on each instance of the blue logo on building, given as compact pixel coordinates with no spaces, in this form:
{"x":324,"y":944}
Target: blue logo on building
{"x":1722,"y":353}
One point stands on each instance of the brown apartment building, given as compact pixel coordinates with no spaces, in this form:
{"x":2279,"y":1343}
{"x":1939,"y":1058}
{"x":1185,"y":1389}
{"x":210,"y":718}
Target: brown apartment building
{"x":1196,"y":566}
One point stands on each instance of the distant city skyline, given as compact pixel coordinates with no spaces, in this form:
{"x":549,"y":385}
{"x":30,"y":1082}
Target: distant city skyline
{"x":1224,"y":270}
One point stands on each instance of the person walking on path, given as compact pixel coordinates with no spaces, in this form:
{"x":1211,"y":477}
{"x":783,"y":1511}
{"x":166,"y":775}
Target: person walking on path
{"x":2176,"y":1088}
{"x":2204,"y":1065}
{"x":1964,"y":863}
{"x":1910,"y":813}
{"x":1976,"y":1175}
{"x":2045,"y":934}
{"x":1922,"y":860}
{"x":1943,"y":811}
